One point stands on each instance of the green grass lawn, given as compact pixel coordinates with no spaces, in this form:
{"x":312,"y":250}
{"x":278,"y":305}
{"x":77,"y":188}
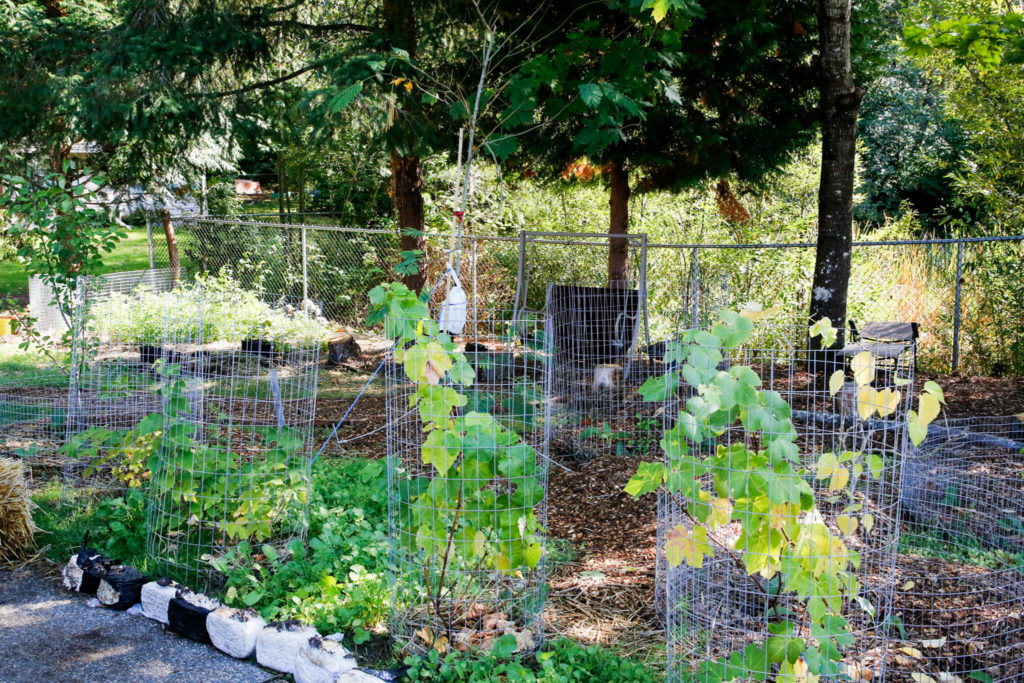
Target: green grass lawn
{"x":132,"y":253}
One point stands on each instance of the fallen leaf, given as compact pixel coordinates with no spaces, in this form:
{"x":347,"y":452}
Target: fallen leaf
{"x":934,"y":644}
{"x":912,"y":651}
{"x":908,"y":585}
{"x":922,"y":678}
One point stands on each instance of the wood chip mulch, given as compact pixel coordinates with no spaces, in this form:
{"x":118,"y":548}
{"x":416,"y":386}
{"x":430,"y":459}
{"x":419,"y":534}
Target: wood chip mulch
{"x":604,"y":592}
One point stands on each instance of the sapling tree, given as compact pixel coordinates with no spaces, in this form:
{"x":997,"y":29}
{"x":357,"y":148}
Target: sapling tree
{"x":804,"y":562}
{"x":474,"y":513}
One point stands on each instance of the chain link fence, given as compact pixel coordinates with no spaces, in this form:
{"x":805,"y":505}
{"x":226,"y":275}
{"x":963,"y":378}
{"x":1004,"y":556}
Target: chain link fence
{"x":964,"y":293}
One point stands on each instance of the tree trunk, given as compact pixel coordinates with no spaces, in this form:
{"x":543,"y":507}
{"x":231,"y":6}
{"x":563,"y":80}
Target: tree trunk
{"x":840,"y":100}
{"x":406,"y":173}
{"x":618,"y":224}
{"x":406,"y":193}
{"x":173,"y":261}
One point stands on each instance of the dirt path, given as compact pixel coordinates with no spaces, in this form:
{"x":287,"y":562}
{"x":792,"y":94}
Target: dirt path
{"x":48,"y":634}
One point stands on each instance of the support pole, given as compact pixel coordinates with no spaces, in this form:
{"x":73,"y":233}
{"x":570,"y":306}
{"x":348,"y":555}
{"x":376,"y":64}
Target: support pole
{"x":695,"y":290}
{"x":956,"y":307}
{"x":149,"y":242}
{"x":305,"y":267}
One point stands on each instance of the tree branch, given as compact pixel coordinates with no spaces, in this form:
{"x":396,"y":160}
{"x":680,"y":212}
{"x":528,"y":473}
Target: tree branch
{"x":265,"y":84}
{"x":340,"y":26}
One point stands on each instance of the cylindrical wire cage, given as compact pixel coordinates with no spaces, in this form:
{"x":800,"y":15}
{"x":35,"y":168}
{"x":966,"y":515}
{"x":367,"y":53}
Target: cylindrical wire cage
{"x":726,"y":600}
{"x":467,"y":482}
{"x":112,"y":383}
{"x":238,"y":402}
{"x":959,"y":603}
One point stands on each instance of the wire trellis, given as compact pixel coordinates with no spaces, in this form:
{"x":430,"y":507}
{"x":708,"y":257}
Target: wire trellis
{"x":233,"y":463}
{"x":467,"y":501}
{"x":959,"y":604}
{"x":715,"y":608}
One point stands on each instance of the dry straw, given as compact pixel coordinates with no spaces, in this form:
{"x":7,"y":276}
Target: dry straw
{"x":16,"y":526}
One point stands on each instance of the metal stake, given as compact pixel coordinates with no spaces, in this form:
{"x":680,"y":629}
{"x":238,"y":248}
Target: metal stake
{"x":956,"y":307}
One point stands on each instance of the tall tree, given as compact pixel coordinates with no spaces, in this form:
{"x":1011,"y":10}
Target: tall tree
{"x":840,"y":99}
{"x":406,"y":165}
{"x":708,"y":91}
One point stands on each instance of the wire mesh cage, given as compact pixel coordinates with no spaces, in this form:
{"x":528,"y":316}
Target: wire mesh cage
{"x":959,"y":605}
{"x":238,"y":401}
{"x":33,"y":420}
{"x":112,"y":385}
{"x":204,"y":395}
{"x":779,"y":529}
{"x":600,"y":341}
{"x":467,"y":482}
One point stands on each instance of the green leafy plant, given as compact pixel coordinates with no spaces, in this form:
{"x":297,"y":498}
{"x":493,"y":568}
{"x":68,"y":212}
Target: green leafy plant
{"x":563,"y":661}
{"x":207,"y":489}
{"x":338,"y":582}
{"x":455,"y":518}
{"x":760,"y":483}
{"x":58,"y":232}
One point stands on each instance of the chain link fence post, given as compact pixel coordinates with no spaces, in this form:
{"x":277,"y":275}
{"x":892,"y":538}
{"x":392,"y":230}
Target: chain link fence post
{"x":956,"y":306}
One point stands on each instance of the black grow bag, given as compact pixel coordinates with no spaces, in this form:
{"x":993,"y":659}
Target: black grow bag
{"x":188,"y":620}
{"x":126,"y":582}
{"x":151,"y":353}
{"x":264,"y":348}
{"x":592,"y":325}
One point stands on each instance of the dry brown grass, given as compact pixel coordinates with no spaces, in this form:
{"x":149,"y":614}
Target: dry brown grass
{"x":16,"y":525}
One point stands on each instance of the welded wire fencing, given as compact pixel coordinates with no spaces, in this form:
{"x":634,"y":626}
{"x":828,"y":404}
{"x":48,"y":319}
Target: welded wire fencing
{"x":962,"y":292}
{"x":958,"y":609}
{"x":467,"y":486}
{"x":758,"y":580}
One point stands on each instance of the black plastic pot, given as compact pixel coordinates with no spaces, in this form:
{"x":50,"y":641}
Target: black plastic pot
{"x":264,"y":348}
{"x":188,"y":620}
{"x":592,"y":325}
{"x":126,"y":585}
{"x":151,"y":353}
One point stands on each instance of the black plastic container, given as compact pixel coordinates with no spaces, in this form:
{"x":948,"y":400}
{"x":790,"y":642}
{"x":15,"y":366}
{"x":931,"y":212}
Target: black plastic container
{"x":188,"y":619}
{"x":125,"y":587}
{"x":592,"y":325}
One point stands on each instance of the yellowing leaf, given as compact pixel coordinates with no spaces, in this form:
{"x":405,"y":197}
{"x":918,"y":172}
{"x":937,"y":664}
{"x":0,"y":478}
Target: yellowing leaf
{"x":682,"y":545}
{"x":721,"y":512}
{"x":888,"y":400}
{"x":912,"y":651}
{"x":867,"y":402}
{"x":917,"y":431}
{"x":935,"y":390}
{"x":868,"y":522}
{"x":928,"y":409}
{"x":835,"y":382}
{"x":827,"y":465}
{"x":826,"y":330}
{"x":659,"y":8}
{"x":840,"y":478}
{"x":922,"y":678}
{"x":863,"y":366}
{"x":847,"y":524}
{"x":907,"y":586}
{"x":933,"y":644}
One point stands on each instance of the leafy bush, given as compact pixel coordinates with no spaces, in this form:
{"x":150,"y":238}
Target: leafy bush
{"x":230,"y":313}
{"x":115,"y":525}
{"x":564,"y":661}
{"x":222,"y":200}
{"x":339,"y":583}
